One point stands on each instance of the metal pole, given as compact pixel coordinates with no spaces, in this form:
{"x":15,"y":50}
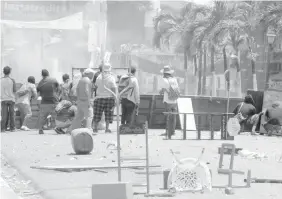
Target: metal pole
{"x":118,"y":142}
{"x":147,"y":157}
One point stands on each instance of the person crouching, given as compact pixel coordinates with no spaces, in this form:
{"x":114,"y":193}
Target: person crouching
{"x":65,"y":111}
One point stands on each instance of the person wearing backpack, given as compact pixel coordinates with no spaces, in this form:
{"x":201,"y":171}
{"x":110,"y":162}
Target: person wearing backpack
{"x":170,"y":90}
{"x":25,"y":94}
{"x":131,"y":98}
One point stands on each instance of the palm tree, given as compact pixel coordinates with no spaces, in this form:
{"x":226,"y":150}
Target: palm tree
{"x":184,"y":25}
{"x":218,"y":12}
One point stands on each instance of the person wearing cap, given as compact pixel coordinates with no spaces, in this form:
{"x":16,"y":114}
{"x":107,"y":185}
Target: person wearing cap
{"x":8,"y":90}
{"x":104,"y":101}
{"x":166,"y":83}
{"x":48,"y":89}
{"x":25,"y":94}
{"x":65,"y":88}
{"x":84,"y":115}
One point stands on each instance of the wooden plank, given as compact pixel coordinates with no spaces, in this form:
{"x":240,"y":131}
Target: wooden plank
{"x":150,"y":172}
{"x":184,"y":127}
{"x":228,"y":171}
{"x":211,"y":127}
{"x":185,"y":106}
{"x":160,"y":194}
{"x":132,"y":158}
{"x":84,"y":168}
{"x":263,"y":180}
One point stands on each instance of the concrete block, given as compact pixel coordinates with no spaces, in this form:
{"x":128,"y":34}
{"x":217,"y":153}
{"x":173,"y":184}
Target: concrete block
{"x":116,"y":190}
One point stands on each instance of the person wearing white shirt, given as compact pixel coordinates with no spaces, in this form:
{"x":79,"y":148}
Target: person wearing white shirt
{"x":169,"y":84}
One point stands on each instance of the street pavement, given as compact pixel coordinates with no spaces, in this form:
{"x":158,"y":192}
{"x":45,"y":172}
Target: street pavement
{"x":26,"y":149}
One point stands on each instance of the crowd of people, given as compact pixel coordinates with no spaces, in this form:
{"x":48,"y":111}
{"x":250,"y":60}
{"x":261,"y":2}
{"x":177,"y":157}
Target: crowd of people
{"x":81,"y":103}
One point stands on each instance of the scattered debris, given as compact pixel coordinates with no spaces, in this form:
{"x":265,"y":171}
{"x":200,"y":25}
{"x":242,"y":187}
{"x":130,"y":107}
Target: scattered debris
{"x":228,"y":191}
{"x":251,"y":155}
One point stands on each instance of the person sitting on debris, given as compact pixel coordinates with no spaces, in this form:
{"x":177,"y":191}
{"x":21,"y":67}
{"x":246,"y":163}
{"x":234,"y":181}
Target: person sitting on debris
{"x":65,"y":111}
{"x":247,"y":109}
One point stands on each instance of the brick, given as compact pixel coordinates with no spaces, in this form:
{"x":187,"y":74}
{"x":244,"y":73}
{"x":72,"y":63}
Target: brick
{"x":116,"y":190}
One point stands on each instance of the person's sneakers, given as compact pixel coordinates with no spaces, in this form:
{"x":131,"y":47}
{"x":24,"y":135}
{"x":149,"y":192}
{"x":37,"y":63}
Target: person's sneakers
{"x":59,"y":131}
{"x":41,"y":132}
{"x":25,"y":128}
{"x":108,"y":131}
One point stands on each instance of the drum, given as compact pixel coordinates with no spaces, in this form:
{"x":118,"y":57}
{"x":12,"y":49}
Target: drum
{"x":82,"y":141}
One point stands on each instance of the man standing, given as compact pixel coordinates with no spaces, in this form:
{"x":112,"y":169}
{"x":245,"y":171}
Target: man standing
{"x":8,"y":90}
{"x":84,"y":108}
{"x":104,"y":101}
{"x":101,"y":124}
{"x":131,"y":98}
{"x":25,"y":94}
{"x":48,"y":90}
{"x":170,"y":90}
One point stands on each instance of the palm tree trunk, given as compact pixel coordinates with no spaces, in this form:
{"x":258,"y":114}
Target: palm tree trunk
{"x":255,"y":84}
{"x":186,"y":72}
{"x":195,"y":72}
{"x":224,"y":59}
{"x":239,"y":76}
{"x":200,"y":72}
{"x":225,"y":65}
{"x":204,"y":72}
{"x":213,"y":72}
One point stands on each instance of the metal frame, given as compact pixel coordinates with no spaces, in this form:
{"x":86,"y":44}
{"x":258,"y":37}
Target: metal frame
{"x":145,"y":126}
{"x":224,"y":119}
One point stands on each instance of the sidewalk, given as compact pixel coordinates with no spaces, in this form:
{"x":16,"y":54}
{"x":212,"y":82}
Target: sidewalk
{"x":6,"y":191}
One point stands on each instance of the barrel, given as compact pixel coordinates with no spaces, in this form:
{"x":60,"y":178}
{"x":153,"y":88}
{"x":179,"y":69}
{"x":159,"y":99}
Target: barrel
{"x":82,"y":141}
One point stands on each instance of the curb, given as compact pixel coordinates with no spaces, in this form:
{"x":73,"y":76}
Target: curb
{"x":6,"y":191}
{"x":34,"y":183}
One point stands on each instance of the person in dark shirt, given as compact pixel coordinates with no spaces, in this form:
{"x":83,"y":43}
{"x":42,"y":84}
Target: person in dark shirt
{"x":247,"y":109}
{"x":48,"y":89}
{"x":96,"y":75}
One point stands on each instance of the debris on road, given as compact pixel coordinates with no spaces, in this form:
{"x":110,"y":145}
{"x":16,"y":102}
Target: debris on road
{"x":251,"y":155}
{"x":85,"y":168}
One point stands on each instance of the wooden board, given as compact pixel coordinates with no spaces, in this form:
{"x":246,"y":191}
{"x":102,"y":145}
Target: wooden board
{"x":134,"y":129}
{"x":185,"y":106}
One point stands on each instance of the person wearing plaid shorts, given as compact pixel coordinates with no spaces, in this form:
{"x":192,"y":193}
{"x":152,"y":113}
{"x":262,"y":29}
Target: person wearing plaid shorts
{"x":104,"y":101}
